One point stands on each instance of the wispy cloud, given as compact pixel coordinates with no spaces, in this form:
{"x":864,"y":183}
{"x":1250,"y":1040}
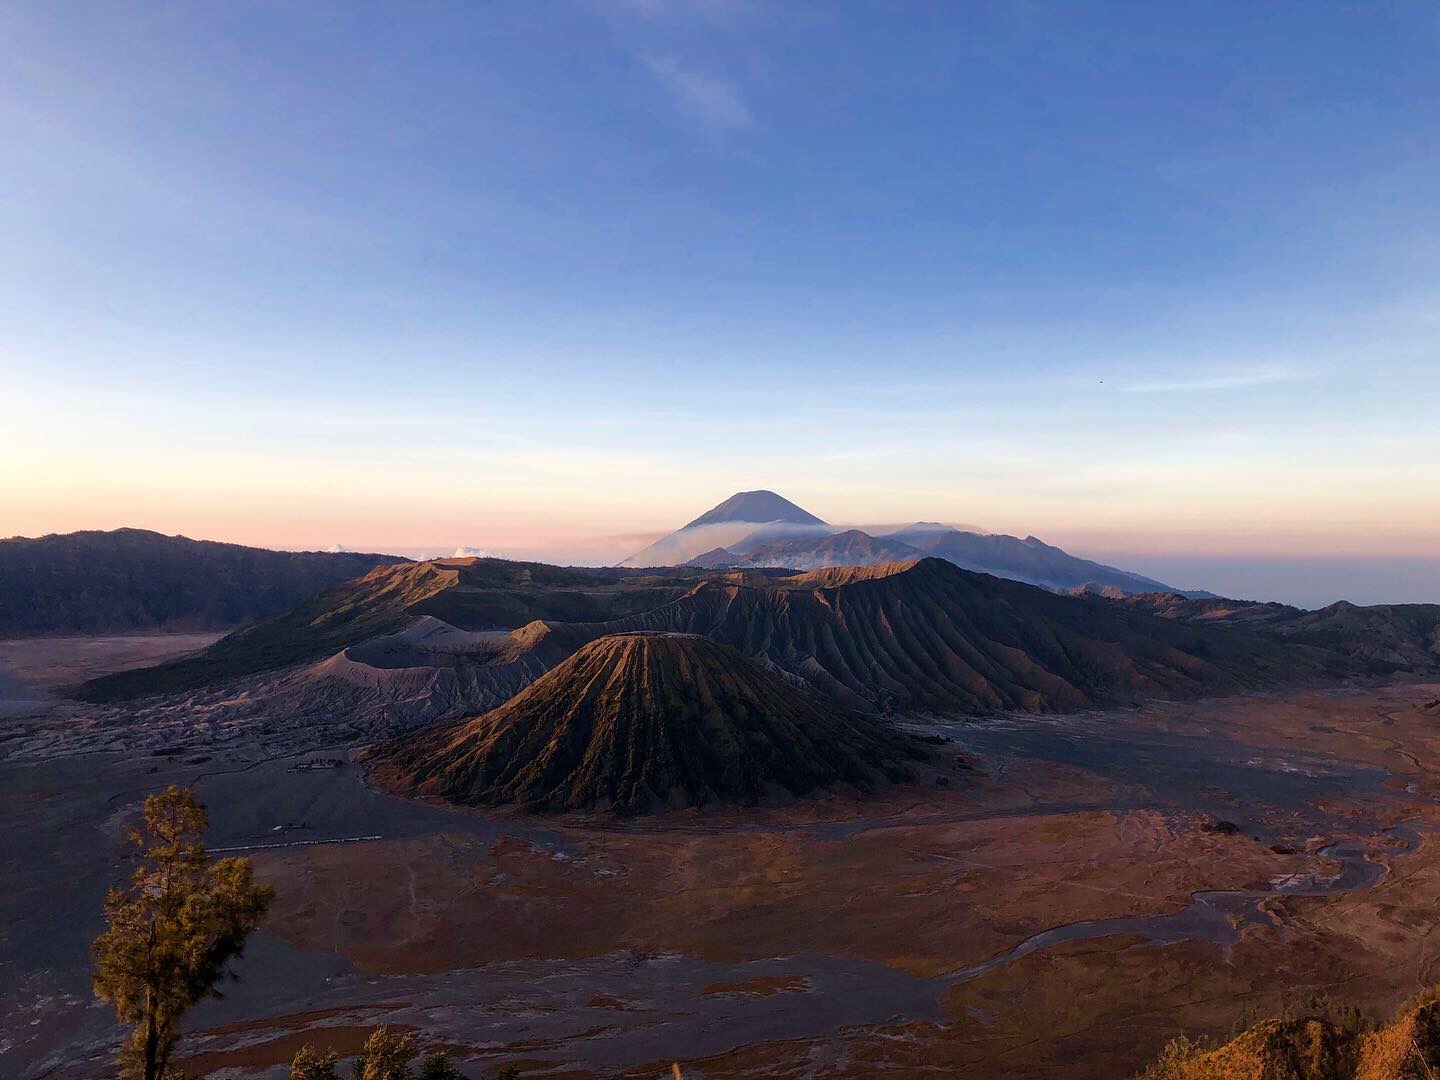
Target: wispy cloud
{"x":714,"y":101}
{"x":1230,"y":380}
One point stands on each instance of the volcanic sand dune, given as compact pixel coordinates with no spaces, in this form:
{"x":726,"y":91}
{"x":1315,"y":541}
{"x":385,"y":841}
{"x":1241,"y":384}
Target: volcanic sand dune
{"x":641,"y":721}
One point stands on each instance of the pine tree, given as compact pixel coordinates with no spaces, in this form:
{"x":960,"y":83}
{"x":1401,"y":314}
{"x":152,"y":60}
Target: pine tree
{"x":172,"y":934}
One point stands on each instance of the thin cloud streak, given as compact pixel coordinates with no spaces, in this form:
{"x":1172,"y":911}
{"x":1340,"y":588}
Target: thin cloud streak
{"x":714,"y":101}
{"x":1233,"y":381}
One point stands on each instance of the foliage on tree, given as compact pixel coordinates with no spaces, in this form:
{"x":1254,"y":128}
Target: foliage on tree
{"x":1320,"y":1039}
{"x":310,"y":1064}
{"x":384,"y":1057}
{"x":436,"y":1066}
{"x":173,"y":932}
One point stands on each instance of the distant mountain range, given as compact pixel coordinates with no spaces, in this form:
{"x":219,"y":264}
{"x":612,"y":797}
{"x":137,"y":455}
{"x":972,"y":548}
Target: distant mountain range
{"x":638,"y":688}
{"x":134,"y":580}
{"x":412,"y":644}
{"x":131,"y":580}
{"x":755,"y":529}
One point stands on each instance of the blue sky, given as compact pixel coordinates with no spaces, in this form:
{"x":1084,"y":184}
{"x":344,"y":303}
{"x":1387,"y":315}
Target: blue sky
{"x":1150,"y":281}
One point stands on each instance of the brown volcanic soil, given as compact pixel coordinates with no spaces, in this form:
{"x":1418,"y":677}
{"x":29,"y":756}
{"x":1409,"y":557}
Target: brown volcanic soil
{"x":912,"y":894}
{"x":636,"y":722}
{"x":933,"y":885}
{"x":604,"y":947}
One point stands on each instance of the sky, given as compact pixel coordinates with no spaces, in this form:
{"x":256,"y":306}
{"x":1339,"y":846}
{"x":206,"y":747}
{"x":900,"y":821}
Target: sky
{"x":1159,"y":283}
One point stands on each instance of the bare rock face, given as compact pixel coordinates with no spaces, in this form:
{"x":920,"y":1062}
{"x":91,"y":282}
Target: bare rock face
{"x":644,"y":721}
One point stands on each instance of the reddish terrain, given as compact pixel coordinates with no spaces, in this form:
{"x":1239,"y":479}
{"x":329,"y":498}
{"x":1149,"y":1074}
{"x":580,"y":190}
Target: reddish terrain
{"x":841,"y":937}
{"x":1035,"y":916}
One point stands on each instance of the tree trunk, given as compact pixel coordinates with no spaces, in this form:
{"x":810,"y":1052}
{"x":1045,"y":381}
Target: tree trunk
{"x":150,"y":1065}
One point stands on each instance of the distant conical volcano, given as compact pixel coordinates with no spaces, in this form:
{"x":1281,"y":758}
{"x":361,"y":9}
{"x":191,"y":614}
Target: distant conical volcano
{"x":756,"y":506}
{"x":763,"y":529}
{"x":636,"y":722}
{"x":745,"y":520}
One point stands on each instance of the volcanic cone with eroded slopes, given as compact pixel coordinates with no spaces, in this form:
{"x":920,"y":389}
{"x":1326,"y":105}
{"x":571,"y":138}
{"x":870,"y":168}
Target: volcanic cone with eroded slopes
{"x":644,"y":721}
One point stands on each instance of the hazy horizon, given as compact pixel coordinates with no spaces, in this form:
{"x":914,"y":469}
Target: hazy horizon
{"x":1304,"y":581}
{"x":1157,"y":286}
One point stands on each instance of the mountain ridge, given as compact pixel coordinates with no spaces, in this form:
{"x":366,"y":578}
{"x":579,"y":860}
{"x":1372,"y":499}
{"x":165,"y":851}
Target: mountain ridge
{"x":135,"y":580}
{"x":1382,"y":637}
{"x":922,"y":635}
{"x":467,"y":593}
{"x":927,"y":634}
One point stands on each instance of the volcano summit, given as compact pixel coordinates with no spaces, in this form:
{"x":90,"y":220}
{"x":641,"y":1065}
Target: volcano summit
{"x":644,"y":721}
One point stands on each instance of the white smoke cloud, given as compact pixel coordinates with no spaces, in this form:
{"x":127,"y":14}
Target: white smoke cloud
{"x":463,"y":552}
{"x":736,"y":536}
